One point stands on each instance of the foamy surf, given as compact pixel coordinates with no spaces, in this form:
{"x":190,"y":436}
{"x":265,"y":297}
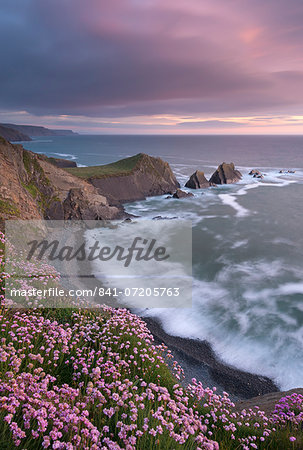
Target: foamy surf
{"x":248,"y":290}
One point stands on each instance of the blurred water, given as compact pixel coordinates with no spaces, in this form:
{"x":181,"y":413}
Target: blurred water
{"x":248,"y":243}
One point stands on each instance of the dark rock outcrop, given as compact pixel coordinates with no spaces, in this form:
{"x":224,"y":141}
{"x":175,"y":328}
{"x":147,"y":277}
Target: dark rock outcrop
{"x":255,"y":173}
{"x":197,"y":181}
{"x":10,"y":134}
{"x":287,"y":171}
{"x":226,"y":174}
{"x":150,"y":176}
{"x":62,"y":163}
{"x":182,"y":194}
{"x":82,"y":205}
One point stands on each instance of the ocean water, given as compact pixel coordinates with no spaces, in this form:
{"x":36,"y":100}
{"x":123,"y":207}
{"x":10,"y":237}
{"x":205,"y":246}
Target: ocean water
{"x":248,"y":242}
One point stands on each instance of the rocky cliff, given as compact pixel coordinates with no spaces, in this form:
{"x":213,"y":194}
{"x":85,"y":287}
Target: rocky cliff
{"x":33,"y":188}
{"x":131,"y":179}
{"x":36,"y":131}
{"x":10,"y":134}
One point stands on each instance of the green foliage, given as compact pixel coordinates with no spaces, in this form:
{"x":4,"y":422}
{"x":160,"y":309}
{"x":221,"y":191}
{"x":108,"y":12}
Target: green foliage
{"x":119,"y":168}
{"x":32,"y":189}
{"x":27,"y":161}
{"x":8,"y":207}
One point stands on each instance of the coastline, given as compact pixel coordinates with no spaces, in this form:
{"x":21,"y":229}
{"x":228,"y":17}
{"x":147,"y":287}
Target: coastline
{"x":199,"y":361}
{"x":197,"y":358}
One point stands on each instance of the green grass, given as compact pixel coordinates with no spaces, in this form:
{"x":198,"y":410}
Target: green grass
{"x":32,"y":189}
{"x":119,"y":168}
{"x":9,"y":208}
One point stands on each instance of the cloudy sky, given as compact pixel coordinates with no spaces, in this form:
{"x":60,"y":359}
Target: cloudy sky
{"x":153,"y":66}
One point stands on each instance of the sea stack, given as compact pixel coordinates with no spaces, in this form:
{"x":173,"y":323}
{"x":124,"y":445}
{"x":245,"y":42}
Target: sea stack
{"x":182,"y":194}
{"x":226,"y":174}
{"x":197,"y":181}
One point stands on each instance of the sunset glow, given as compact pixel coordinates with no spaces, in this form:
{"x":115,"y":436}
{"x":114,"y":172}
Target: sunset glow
{"x":154,"y":67}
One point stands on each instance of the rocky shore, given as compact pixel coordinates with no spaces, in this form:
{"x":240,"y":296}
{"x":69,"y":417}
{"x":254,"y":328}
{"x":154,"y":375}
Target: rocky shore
{"x":199,"y":361}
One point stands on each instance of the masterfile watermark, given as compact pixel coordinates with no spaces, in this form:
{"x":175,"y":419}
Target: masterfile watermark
{"x":145,"y":252}
{"x":135,"y":264}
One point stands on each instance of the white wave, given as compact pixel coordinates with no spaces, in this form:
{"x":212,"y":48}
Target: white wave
{"x":66,"y":155}
{"x":43,"y":141}
{"x":255,"y":344}
{"x":230,"y":200}
{"x":147,"y":274}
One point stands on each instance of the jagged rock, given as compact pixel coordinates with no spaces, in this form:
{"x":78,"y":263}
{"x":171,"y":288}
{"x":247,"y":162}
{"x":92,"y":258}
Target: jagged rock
{"x":164,"y":218}
{"x":197,"y":181}
{"x":150,"y":176}
{"x":226,"y":174}
{"x":255,"y":172}
{"x":82,"y":205}
{"x":287,"y":171}
{"x":182,"y":194}
{"x":62,"y":163}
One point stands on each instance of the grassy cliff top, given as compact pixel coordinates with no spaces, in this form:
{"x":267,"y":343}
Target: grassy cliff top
{"x":121,"y":167}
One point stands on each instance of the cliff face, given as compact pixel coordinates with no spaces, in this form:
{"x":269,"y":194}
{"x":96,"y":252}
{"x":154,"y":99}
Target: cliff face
{"x":33,"y":188}
{"x":59,"y":162}
{"x":150,"y":176}
{"x":15,"y":199}
{"x":10,"y":134}
{"x":36,"y":131}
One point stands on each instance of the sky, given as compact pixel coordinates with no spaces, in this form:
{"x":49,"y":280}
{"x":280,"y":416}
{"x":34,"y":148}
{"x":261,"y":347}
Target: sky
{"x":153,"y":66}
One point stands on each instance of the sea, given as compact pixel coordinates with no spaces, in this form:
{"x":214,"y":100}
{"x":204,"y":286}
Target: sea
{"x":247,"y":242}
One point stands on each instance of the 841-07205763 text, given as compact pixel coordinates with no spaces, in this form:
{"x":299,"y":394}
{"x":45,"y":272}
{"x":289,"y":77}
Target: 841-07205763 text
{"x":140,"y":292}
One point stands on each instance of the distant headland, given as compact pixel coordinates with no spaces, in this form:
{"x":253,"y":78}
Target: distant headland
{"x":14,"y":132}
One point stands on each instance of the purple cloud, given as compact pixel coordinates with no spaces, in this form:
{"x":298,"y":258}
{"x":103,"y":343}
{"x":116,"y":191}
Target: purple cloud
{"x":126,"y":57}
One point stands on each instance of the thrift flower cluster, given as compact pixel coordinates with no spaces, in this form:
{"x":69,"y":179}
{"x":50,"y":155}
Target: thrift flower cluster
{"x":106,"y":403}
{"x":83,"y":379}
{"x":289,"y":410}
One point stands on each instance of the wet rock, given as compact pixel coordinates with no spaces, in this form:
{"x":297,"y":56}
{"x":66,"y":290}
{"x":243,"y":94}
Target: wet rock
{"x":182,"y":194}
{"x":255,"y":173}
{"x":164,"y":218}
{"x":226,"y":174}
{"x":197,"y":181}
